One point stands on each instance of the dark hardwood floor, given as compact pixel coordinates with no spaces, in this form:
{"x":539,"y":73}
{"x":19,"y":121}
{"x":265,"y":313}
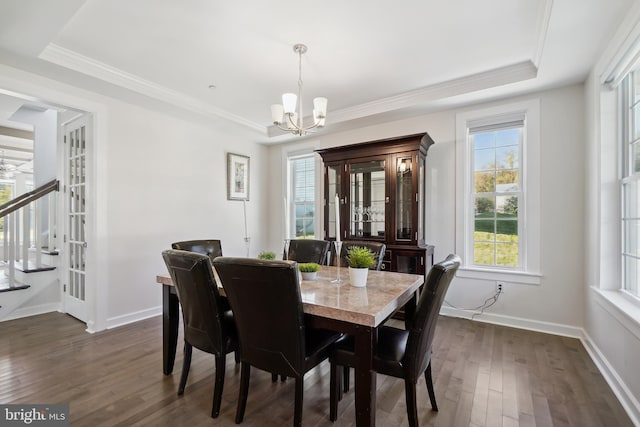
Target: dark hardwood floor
{"x":484,"y":375}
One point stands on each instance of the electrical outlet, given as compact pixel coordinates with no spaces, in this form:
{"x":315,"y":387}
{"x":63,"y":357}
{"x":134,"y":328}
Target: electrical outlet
{"x":499,"y":286}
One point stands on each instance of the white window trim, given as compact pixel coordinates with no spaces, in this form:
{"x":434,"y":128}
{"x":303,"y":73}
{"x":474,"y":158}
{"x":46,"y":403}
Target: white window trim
{"x":620,"y":56}
{"x":530,"y":271}
{"x":300,"y":150}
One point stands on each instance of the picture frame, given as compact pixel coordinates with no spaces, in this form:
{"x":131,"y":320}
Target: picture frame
{"x":238,"y":173}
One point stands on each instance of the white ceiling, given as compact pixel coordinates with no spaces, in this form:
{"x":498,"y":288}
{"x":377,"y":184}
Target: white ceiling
{"x":372,"y":57}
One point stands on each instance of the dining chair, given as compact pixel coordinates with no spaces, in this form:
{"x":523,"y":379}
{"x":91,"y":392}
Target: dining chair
{"x":376,"y":247}
{"x":403,"y":353}
{"x":210,"y":247}
{"x":308,"y":250}
{"x":208,"y":326}
{"x":267,"y":306}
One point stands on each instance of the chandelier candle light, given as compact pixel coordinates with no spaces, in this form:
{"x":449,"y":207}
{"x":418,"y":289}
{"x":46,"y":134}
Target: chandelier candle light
{"x":337,"y":243}
{"x":285,"y":116}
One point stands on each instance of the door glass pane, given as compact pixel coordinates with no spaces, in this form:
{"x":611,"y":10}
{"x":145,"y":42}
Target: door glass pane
{"x":333,"y":185}
{"x":367,"y":199}
{"x":404,"y":198}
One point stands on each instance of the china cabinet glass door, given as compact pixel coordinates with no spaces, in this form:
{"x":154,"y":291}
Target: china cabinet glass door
{"x":367,"y":199}
{"x":404,"y":198}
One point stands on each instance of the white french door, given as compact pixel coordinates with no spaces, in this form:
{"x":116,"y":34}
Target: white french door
{"x":77,"y":136}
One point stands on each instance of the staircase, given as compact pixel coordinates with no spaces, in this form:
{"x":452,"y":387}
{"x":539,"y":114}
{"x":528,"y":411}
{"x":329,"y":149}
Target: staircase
{"x":28,"y":277}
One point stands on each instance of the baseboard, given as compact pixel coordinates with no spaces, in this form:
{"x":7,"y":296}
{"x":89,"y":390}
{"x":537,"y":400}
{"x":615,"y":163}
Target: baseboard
{"x":33,"y":310}
{"x":516,"y":322}
{"x":620,"y":389}
{"x":114,"y":322}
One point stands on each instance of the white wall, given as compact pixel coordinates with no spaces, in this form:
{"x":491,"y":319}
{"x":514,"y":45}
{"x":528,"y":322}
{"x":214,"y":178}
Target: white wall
{"x":158,"y":175}
{"x":167,"y":182}
{"x":557,"y":304}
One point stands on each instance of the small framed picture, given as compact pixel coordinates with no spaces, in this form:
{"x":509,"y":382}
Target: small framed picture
{"x":237,"y":177}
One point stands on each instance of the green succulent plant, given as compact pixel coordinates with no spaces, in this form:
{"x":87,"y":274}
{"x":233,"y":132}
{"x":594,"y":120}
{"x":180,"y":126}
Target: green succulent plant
{"x":267,"y":255}
{"x":308,"y":267}
{"x":360,"y":257}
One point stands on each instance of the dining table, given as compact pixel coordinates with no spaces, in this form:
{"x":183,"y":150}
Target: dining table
{"x":338,"y":306}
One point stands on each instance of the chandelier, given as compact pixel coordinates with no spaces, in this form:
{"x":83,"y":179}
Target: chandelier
{"x":285,"y":116}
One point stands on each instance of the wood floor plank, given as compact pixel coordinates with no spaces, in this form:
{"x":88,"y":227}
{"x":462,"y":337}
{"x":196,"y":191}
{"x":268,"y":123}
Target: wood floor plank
{"x":484,"y":376}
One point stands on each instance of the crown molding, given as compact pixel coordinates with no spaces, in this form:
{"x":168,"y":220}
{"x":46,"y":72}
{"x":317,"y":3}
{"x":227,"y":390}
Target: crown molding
{"x":543,"y":29}
{"x":472,"y":83}
{"x":475,"y":82}
{"x":69,"y":59}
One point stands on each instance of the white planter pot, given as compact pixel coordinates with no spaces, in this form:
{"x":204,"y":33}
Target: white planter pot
{"x":358,"y":277}
{"x":309,"y":275}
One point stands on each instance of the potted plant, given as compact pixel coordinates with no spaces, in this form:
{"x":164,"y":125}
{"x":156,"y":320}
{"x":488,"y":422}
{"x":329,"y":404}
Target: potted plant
{"x":359,"y":259}
{"x":309,"y":270}
{"x":267,"y":255}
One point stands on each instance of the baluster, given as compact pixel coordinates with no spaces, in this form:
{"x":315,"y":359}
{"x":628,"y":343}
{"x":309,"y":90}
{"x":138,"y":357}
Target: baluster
{"x":16,"y":236}
{"x":37,"y":230}
{"x":5,"y":240}
{"x":53,"y":213}
{"x":12,"y":248}
{"x":26,"y":237}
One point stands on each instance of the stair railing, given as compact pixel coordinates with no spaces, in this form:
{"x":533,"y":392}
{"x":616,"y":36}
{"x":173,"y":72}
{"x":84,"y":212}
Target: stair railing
{"x":22,"y":223}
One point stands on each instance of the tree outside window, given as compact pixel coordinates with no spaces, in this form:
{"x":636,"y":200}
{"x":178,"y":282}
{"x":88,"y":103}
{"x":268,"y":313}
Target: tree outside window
{"x":6,"y":194}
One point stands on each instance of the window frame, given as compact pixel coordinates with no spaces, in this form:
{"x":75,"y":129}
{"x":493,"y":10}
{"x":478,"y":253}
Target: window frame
{"x":528,"y":271}
{"x":292,"y":191}
{"x":292,"y":152}
{"x":627,"y":107}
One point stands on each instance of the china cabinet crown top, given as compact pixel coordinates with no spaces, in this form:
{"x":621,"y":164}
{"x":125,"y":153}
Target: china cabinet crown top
{"x":418,"y":141}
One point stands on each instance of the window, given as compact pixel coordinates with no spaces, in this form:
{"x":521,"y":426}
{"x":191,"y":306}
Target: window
{"x":498,"y":222}
{"x":7,"y":190}
{"x":302,"y":172}
{"x":629,"y":182}
{"x":496,"y":194}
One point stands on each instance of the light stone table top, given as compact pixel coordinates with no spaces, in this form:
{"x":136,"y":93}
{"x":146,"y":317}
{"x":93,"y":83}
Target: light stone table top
{"x":385,"y":293}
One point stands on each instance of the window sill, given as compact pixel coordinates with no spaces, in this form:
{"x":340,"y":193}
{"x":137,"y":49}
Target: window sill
{"x":623,"y":307}
{"x":518,"y":277}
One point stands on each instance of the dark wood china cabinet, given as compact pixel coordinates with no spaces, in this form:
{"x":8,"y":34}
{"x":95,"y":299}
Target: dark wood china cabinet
{"x":381,"y":197}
